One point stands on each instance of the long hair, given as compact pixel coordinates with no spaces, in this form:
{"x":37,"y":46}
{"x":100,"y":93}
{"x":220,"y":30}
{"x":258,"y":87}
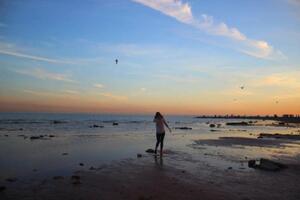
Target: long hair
{"x":158,"y":115}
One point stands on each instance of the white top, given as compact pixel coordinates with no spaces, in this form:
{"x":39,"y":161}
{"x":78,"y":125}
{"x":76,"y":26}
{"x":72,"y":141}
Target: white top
{"x":160,"y":128}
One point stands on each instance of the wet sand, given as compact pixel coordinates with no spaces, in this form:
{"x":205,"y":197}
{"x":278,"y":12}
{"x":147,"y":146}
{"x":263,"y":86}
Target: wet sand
{"x":174,"y":176}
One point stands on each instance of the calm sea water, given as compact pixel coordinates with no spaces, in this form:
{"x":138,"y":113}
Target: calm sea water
{"x":75,"y":141}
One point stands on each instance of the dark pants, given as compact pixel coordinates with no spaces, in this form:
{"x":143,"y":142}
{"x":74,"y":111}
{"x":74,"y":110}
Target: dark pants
{"x":159,"y":139}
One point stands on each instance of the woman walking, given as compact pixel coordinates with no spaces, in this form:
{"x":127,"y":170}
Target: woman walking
{"x":160,"y":131}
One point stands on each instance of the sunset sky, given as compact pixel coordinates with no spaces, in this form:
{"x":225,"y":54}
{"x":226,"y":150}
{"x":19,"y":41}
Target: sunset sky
{"x":175,"y":56}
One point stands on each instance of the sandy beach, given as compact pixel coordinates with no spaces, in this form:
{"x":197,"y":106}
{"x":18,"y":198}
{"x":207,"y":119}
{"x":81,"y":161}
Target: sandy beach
{"x":111,"y":162}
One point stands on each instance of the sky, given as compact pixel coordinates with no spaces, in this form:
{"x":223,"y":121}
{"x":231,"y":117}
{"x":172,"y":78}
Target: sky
{"x":175,"y":56}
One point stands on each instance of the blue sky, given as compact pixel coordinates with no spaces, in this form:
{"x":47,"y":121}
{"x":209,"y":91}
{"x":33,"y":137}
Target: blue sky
{"x":175,"y":56}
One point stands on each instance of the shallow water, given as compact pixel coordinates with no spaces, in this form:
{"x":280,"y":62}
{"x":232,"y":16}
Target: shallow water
{"x":24,"y":158}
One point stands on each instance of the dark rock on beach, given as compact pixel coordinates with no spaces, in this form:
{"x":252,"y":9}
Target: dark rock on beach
{"x":2,"y":188}
{"x":139,"y":155}
{"x":96,"y":126}
{"x":212,"y":125}
{"x":64,"y":154}
{"x":279,"y":136}
{"x":150,"y":151}
{"x":237,"y":124}
{"x":58,"y":177}
{"x":81,"y":164}
{"x":265,"y":164}
{"x":115,"y":124}
{"x":183,"y":128}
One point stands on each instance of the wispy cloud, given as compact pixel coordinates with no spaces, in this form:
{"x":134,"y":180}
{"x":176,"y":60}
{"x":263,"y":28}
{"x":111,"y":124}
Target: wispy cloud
{"x":290,"y":80}
{"x":43,"y":74}
{"x":114,"y":97}
{"x":183,"y":13}
{"x":13,"y":50}
{"x":98,"y":85}
{"x":72,"y":92}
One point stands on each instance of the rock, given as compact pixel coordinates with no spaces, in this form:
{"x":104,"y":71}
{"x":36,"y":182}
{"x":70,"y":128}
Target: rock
{"x":81,"y":164}
{"x":266,"y":164}
{"x":139,"y":155}
{"x":75,"y":177}
{"x":58,"y":177}
{"x":96,"y":126}
{"x":212,"y":125}
{"x":2,"y":188}
{"x":11,"y":179}
{"x":92,"y":168}
{"x":76,"y":182}
{"x":51,"y":136}
{"x":182,"y":171}
{"x":35,"y":137}
{"x":58,"y":122}
{"x":183,"y":128}
{"x":279,"y":136}
{"x":237,"y":124}
{"x":150,"y":151}
{"x":34,"y":170}
{"x":64,"y":154}
{"x":219,"y":125}
{"x":229,"y":168}
{"x":214,"y":130}
{"x":115,"y":124}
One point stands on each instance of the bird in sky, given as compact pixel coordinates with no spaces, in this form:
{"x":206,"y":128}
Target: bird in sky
{"x":117,"y":61}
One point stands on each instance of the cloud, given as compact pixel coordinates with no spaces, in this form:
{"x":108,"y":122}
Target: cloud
{"x":114,"y":97}
{"x":72,"y":92}
{"x":290,"y":80}
{"x":42,"y":74}
{"x":98,"y":85}
{"x":12,"y":50}
{"x":183,"y":13}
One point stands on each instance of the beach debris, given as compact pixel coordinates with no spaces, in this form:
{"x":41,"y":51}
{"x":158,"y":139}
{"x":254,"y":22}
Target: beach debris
{"x":115,"y":124}
{"x":212,"y":125}
{"x":279,"y":136}
{"x":11,"y":180}
{"x":96,"y":126}
{"x":64,"y":154}
{"x":237,"y":123}
{"x":266,"y":164}
{"x":58,"y":177}
{"x":139,"y":155}
{"x":150,"y":151}
{"x":2,"y":188}
{"x":81,"y":164}
{"x":116,"y":61}
{"x":183,"y":128}
{"x":58,"y":122}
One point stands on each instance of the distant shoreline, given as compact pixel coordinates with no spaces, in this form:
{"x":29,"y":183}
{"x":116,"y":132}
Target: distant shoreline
{"x":283,"y":118}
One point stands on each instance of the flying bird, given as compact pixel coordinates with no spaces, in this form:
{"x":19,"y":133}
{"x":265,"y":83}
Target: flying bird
{"x":116,"y":61}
